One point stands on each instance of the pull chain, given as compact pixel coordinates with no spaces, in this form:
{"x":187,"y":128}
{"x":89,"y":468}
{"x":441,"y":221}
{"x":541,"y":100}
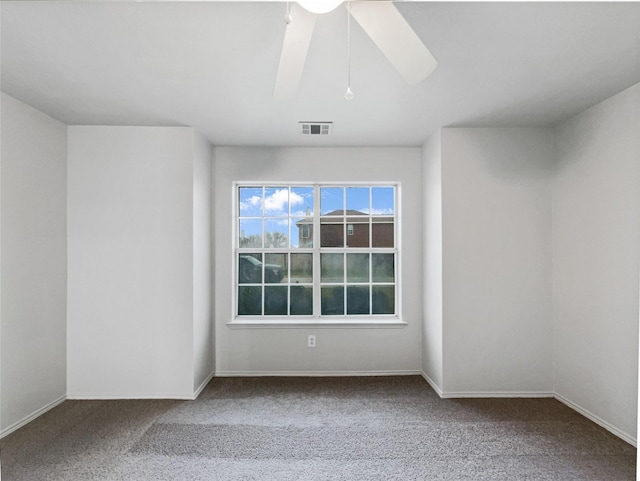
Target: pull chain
{"x":349,"y":94}
{"x":287,"y":16}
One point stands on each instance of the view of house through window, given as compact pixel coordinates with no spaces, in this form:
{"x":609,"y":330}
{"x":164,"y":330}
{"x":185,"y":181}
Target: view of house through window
{"x":316,"y":250}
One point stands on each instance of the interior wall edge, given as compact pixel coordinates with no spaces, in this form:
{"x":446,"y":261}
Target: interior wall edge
{"x":598,"y":420}
{"x":31,"y":417}
{"x":200,"y":388}
{"x":433,"y":385}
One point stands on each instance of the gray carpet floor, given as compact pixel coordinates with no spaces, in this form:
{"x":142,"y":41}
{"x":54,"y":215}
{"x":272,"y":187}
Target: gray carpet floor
{"x":368,"y":428}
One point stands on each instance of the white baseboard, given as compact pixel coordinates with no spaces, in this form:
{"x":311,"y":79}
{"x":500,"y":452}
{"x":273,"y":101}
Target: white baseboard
{"x":26,"y":420}
{"x":485,"y":394}
{"x":110,"y":396}
{"x":598,"y":420}
{"x":314,"y":373}
{"x":202,"y":386}
{"x":129,"y":396}
{"x":534,"y":394}
{"x":497,"y":394}
{"x":433,"y":385}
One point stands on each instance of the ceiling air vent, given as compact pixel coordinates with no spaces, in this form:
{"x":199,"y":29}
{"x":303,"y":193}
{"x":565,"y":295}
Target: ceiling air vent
{"x":315,"y":128}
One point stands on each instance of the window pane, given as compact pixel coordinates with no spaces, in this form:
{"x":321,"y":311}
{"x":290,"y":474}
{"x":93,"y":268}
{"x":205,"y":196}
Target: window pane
{"x":275,"y":301}
{"x":276,"y":201}
{"x":301,"y":302}
{"x":302,"y":232}
{"x":357,"y":299}
{"x":359,"y":236}
{"x":249,"y":300}
{"x":275,"y":268}
{"x":382,"y":232}
{"x":331,"y":268}
{"x":383,"y":299}
{"x":250,"y":268}
{"x":332,"y":301}
{"x":357,"y":267}
{"x":382,"y":201}
{"x":331,"y":200}
{"x":250,"y":233}
{"x":358,"y":200}
{"x":301,"y":200}
{"x":382,"y":267}
{"x":276,"y":233}
{"x":250,"y":201}
{"x":332,"y":235}
{"x":301,"y":268}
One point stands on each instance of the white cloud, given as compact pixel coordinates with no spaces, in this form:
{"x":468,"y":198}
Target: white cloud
{"x":276,"y":202}
{"x":296,"y":199}
{"x":385,"y":211}
{"x":276,"y":222}
{"x":251,"y":202}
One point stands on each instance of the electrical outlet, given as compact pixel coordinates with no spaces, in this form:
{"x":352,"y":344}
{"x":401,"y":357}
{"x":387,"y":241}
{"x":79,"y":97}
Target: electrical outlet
{"x":311,"y":340}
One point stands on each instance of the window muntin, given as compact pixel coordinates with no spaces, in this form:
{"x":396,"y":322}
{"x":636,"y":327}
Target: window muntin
{"x":292,"y":263}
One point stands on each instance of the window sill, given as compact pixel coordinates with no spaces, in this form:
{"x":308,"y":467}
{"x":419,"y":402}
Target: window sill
{"x":315,"y":323}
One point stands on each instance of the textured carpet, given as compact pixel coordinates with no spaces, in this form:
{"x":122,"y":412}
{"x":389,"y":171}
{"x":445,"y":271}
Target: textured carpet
{"x":383,"y":428}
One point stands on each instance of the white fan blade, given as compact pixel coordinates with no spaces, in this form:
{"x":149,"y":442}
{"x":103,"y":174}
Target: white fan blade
{"x":394,"y":36}
{"x":294,"y":51}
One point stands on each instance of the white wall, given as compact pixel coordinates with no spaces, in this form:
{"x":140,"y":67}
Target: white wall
{"x":202,"y":254}
{"x":596,"y":259}
{"x":33,"y":262}
{"x":432,"y":341}
{"x":131,"y":252}
{"x":340,"y":350}
{"x":496,"y":213}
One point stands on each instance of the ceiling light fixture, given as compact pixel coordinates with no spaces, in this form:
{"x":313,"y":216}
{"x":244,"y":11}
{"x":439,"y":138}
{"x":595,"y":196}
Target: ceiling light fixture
{"x":319,"y":6}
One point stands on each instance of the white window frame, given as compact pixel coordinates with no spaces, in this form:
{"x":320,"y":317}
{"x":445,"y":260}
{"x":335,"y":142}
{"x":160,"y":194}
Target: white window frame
{"x":347,"y":320}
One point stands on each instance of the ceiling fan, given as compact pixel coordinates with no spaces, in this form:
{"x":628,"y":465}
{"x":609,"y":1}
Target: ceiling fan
{"x":378,"y":18}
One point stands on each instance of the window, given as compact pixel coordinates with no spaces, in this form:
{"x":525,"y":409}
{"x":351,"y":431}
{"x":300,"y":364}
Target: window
{"x":316,"y":251}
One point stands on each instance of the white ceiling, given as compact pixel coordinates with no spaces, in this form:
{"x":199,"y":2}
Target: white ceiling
{"x":212,"y":65}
